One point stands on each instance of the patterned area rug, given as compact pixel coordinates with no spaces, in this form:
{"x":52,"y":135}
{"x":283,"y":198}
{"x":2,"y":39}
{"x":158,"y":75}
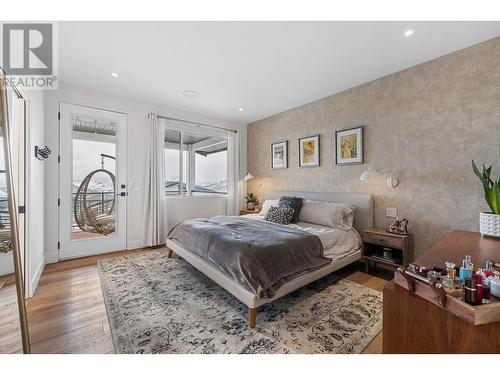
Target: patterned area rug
{"x":161,"y":305}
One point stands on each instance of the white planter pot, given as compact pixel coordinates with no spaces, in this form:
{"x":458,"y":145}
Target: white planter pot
{"x":489,"y":224}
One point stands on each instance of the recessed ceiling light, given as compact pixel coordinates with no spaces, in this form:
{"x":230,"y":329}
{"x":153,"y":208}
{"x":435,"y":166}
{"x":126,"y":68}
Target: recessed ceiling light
{"x":114,"y":74}
{"x":240,"y":109}
{"x":409,"y":32}
{"x":190,"y":93}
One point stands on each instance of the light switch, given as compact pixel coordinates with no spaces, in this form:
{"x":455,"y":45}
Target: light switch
{"x":391,"y":212}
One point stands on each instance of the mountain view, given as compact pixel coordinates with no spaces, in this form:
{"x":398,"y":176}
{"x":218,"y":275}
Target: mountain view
{"x":212,"y":187}
{"x":105,"y":185}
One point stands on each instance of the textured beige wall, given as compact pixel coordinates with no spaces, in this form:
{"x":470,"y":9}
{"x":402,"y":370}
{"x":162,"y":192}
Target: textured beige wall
{"x":423,"y":124}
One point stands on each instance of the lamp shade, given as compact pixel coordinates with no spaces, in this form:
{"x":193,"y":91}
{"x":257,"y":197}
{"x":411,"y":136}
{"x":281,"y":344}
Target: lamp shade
{"x":248,"y":177}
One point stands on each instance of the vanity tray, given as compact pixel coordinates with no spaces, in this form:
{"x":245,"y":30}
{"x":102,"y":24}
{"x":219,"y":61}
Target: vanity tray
{"x":433,"y":293}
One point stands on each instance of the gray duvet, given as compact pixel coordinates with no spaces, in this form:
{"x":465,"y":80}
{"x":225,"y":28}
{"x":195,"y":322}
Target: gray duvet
{"x":259,"y":255}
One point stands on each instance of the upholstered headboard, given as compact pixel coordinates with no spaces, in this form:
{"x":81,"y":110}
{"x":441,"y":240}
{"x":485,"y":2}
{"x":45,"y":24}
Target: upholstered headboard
{"x":363,"y":217}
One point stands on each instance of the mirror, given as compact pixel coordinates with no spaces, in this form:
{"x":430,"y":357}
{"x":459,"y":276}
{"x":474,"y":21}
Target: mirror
{"x":14,"y":317}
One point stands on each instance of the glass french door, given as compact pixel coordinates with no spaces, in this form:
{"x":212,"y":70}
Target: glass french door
{"x":92,"y":181}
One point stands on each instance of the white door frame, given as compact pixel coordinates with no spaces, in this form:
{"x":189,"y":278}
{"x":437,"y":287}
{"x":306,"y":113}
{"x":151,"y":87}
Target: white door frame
{"x":69,"y":248}
{"x":19,"y":177}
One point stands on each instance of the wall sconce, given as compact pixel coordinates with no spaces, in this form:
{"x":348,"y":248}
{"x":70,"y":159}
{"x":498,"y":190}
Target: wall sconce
{"x":249,"y":177}
{"x":391,"y":182}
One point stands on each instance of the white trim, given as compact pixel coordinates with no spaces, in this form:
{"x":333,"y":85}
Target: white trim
{"x":137,"y":244}
{"x":36,"y":277}
{"x":52,"y":257}
{"x":29,"y":277}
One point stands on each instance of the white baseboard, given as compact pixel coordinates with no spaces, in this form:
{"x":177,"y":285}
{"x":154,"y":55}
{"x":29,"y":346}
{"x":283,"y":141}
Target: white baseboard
{"x":36,"y":276}
{"x":135,"y":245}
{"x":52,"y":257}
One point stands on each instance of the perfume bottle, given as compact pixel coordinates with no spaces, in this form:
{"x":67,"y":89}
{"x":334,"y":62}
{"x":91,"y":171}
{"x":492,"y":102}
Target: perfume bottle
{"x":488,"y":269}
{"x":470,"y":291}
{"x":450,"y":270}
{"x":486,"y":290}
{"x":479,"y":288}
{"x":464,"y":271}
{"x":468,"y":258}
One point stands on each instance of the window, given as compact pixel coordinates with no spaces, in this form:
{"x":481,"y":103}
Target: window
{"x":94,"y":148}
{"x":203,"y":163}
{"x":210,"y":172}
{"x":172,"y":162}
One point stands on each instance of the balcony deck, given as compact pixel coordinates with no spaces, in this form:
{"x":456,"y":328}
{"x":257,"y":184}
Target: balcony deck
{"x":81,"y":235}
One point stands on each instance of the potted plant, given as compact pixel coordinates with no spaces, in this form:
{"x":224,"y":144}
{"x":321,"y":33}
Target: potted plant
{"x":251,"y":201}
{"x":489,"y":222}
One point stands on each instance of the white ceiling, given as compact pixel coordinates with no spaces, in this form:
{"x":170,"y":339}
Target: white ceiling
{"x":265,"y":68}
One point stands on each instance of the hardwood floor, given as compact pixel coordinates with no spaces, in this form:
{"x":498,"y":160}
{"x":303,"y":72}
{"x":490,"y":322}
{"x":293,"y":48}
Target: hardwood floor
{"x":67,"y":312}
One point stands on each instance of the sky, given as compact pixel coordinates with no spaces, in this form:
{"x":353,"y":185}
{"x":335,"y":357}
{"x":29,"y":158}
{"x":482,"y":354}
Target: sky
{"x":87,"y":158}
{"x":208,"y":169}
{"x":212,"y":168}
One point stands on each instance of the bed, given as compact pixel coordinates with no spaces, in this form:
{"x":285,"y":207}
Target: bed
{"x":339,"y":256}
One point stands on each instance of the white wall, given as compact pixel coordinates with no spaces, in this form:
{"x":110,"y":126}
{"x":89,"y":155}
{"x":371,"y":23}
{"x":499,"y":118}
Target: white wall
{"x":179,"y":209}
{"x":138,"y":133}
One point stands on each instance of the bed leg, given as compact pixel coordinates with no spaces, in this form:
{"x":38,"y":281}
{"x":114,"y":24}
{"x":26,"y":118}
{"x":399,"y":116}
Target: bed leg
{"x":169,"y":253}
{"x":252,"y":316}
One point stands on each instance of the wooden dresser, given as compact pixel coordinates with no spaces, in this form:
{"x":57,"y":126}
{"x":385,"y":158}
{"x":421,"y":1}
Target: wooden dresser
{"x":414,"y":325}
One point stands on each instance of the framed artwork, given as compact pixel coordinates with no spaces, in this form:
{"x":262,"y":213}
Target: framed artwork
{"x":309,"y":151}
{"x":349,"y":146}
{"x":279,"y":155}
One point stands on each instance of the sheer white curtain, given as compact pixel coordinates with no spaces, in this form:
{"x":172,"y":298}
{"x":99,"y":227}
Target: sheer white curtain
{"x":233,"y":174}
{"x":155,"y":199}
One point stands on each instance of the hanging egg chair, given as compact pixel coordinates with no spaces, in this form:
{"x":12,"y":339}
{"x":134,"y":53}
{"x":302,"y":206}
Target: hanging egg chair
{"x":95,"y":215}
{"x":5,"y":234}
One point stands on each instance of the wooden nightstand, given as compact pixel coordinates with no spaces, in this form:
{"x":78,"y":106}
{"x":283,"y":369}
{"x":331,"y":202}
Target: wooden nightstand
{"x":246,"y":212}
{"x":389,"y":249}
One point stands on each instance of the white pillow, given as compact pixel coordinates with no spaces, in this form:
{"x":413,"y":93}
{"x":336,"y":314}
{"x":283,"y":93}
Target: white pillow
{"x":267,"y":205}
{"x":328,"y":214}
{"x":342,"y":216}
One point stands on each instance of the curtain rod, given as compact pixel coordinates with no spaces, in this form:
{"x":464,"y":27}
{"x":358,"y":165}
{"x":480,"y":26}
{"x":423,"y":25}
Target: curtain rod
{"x":196,"y":123}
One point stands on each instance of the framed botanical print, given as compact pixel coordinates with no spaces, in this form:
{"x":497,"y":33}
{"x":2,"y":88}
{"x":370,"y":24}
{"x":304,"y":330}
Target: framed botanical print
{"x":349,"y":146}
{"x":279,"y":155}
{"x":309,"y":151}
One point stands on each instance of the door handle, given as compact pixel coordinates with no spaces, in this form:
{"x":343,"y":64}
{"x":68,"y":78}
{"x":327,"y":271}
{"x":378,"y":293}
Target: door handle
{"x":122,"y":194}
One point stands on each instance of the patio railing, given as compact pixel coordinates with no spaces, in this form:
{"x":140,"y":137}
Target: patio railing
{"x":101,"y":202}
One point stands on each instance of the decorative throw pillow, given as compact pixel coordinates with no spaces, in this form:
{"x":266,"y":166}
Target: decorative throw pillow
{"x":295,"y":203}
{"x":267,"y":205}
{"x":280,"y":215}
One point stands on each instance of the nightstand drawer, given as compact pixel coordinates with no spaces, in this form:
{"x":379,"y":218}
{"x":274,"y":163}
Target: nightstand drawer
{"x":378,"y":239}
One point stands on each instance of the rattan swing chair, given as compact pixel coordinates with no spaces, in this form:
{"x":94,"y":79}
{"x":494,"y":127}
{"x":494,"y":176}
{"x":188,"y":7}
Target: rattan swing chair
{"x":95,"y":216}
{"x":5,"y":231}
